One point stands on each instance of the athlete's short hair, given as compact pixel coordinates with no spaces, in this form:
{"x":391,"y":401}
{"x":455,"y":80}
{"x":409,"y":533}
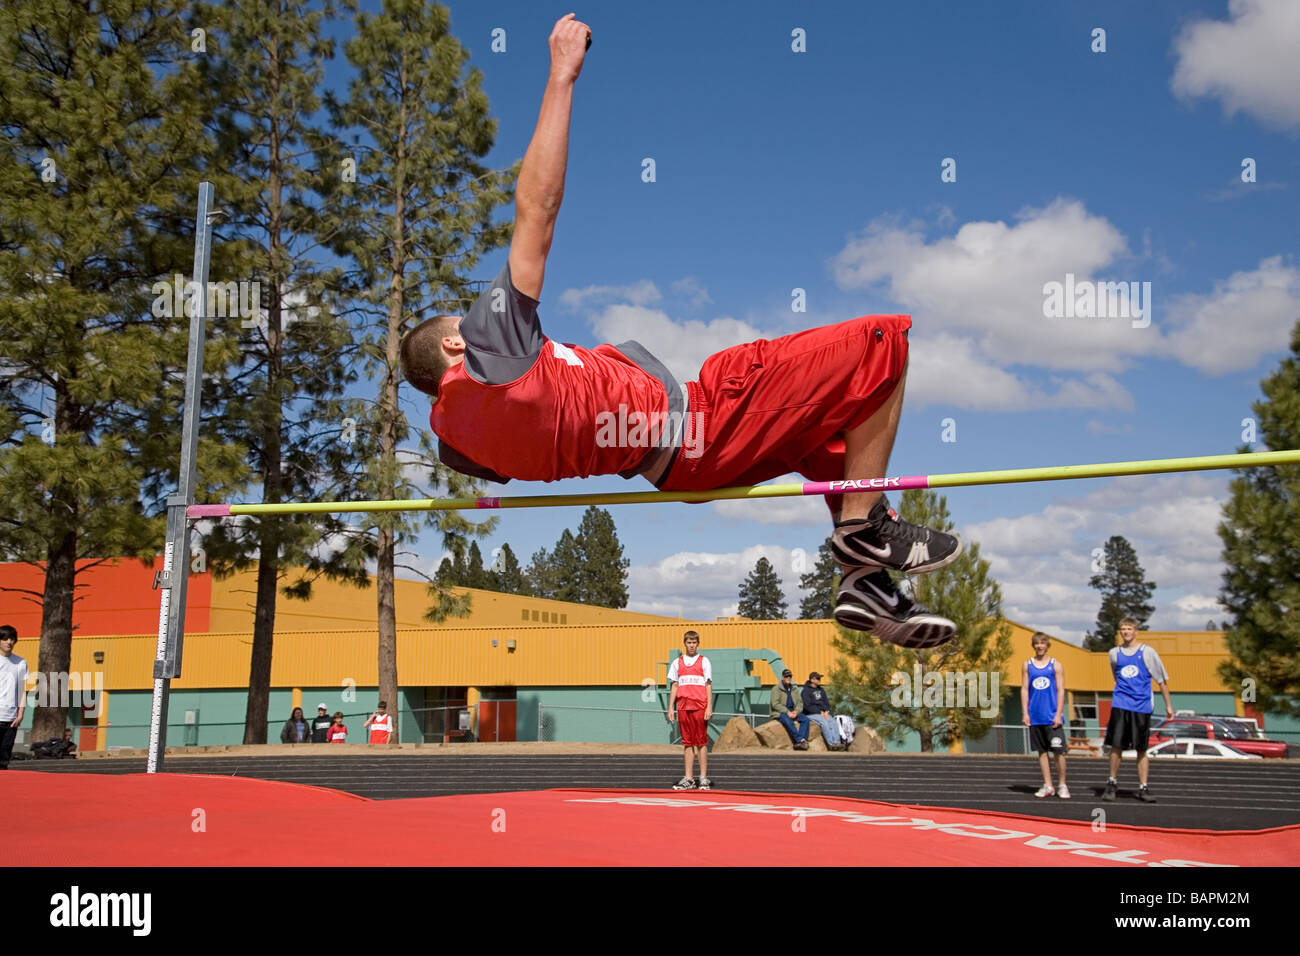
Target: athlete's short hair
{"x":1128,"y":620}
{"x":423,"y":361}
{"x":1039,"y":635}
{"x":8,"y":632}
{"x":688,"y":635}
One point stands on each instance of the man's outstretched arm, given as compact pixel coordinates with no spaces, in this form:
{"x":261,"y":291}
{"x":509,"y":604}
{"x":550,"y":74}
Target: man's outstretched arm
{"x":541,"y":180}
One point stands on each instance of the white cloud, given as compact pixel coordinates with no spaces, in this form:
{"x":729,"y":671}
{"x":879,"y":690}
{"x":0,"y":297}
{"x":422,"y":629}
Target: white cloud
{"x":1247,"y":316}
{"x":1044,"y":559}
{"x":948,"y":369}
{"x":643,"y":292}
{"x":1248,"y":63}
{"x":704,"y":585}
{"x":795,"y":510}
{"x":682,"y":346}
{"x":986,"y":282}
{"x":692,"y":291}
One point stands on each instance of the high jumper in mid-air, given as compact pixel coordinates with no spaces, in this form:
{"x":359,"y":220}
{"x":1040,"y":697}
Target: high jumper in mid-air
{"x":508,"y":402}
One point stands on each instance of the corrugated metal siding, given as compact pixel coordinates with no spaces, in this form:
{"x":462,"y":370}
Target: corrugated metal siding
{"x":583,"y":656}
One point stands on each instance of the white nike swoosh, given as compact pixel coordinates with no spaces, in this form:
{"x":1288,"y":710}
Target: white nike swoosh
{"x":878,"y":552}
{"x":885,"y":597}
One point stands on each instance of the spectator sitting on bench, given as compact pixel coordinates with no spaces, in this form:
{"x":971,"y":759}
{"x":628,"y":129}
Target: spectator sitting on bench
{"x":787,"y":707}
{"x":816,"y":706}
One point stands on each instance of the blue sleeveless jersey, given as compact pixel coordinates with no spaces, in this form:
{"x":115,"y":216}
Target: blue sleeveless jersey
{"x":1132,"y":681}
{"x":1042,"y":693}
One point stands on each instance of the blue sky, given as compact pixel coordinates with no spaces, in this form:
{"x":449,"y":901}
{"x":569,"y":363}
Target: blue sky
{"x":820,"y":170}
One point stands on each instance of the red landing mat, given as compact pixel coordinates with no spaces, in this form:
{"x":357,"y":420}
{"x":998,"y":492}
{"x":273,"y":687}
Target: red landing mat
{"x":69,"y":819}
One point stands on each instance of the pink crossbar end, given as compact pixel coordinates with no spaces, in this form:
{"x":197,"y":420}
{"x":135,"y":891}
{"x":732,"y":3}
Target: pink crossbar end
{"x":208,"y":511}
{"x":487,"y":503}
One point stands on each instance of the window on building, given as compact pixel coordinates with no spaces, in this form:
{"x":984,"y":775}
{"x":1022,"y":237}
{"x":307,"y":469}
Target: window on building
{"x":546,"y":617}
{"x":525,"y":614}
{"x":1085,"y":707}
{"x":536,"y":616}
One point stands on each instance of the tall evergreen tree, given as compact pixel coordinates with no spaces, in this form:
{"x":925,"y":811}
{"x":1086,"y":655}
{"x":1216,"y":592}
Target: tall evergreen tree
{"x":820,"y":583}
{"x":1125,"y":593}
{"x":603,"y":579}
{"x":476,"y":576}
{"x":761,"y":598}
{"x":413,"y":207}
{"x":541,"y":574}
{"x":1261,"y":551}
{"x":101,"y":107}
{"x":868,"y":678}
{"x":567,"y":569}
{"x":508,"y":577}
{"x":286,"y":399}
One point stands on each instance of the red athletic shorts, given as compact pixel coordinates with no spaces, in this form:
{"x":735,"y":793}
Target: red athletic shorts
{"x":694,"y":732}
{"x":772,"y":407}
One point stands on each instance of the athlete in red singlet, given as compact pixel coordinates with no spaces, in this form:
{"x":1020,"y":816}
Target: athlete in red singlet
{"x":690,"y":705}
{"x":511,"y":403}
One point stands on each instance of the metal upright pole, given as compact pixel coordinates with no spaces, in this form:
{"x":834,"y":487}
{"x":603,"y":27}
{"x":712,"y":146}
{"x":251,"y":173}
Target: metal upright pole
{"x":174,"y":576}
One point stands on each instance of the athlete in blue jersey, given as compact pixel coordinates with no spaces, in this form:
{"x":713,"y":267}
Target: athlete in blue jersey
{"x":1135,"y":666}
{"x":1042,"y":700}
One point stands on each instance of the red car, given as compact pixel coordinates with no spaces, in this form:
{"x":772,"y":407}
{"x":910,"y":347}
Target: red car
{"x":1208,"y":728}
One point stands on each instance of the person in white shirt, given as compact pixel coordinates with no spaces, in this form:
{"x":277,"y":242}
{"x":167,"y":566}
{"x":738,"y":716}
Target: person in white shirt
{"x":13,"y":692}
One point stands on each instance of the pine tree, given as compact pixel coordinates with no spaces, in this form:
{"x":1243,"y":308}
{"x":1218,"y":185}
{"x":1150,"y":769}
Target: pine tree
{"x":567,"y":569}
{"x":871,"y":674}
{"x":603,"y":579}
{"x":508,"y":577}
{"x":476,"y":576}
{"x":102,"y":107}
{"x":285,"y":400}
{"x":1125,"y":593}
{"x":1261,"y":550}
{"x":761,"y":597}
{"x":540,"y":574}
{"x":821,"y":584}
{"x":446,"y":574}
{"x":413,"y":209}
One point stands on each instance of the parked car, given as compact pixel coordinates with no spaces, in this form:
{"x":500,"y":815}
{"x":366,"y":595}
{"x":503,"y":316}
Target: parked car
{"x":1213,"y":728}
{"x":1184,"y":748}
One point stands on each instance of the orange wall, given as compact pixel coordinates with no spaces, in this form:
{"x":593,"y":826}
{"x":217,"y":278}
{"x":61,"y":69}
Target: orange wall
{"x":116,"y":597}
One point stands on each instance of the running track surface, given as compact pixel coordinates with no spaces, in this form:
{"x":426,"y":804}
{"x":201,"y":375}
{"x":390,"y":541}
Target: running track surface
{"x":1196,"y":795}
{"x":211,"y":820}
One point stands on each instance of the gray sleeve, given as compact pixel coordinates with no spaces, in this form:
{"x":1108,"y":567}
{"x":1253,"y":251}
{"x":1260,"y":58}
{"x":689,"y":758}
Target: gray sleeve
{"x":1154,"y":664}
{"x":503,"y":336}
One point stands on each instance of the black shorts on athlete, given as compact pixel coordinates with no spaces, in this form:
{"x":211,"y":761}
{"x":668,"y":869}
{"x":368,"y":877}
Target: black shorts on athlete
{"x":1128,"y":730}
{"x":1044,"y":738}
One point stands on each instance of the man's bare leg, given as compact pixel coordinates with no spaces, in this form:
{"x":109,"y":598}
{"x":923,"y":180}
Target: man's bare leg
{"x":864,"y":546}
{"x":867,"y":450}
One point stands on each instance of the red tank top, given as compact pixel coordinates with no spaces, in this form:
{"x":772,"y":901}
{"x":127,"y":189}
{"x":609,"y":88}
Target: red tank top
{"x":381,"y":729}
{"x":560,"y":419}
{"x":691,"y":686}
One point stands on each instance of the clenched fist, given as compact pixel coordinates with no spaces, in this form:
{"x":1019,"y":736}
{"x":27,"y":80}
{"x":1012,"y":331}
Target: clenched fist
{"x":569,"y":42}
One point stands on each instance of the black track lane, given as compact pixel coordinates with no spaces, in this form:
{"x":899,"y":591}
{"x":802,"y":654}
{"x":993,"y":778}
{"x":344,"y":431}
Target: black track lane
{"x":1203,"y":795}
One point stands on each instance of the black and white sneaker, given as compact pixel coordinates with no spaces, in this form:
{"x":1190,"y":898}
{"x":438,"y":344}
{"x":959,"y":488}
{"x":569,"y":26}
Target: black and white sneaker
{"x":705,"y":783}
{"x":868,"y":600}
{"x":686,"y":783}
{"x":883,"y":540}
